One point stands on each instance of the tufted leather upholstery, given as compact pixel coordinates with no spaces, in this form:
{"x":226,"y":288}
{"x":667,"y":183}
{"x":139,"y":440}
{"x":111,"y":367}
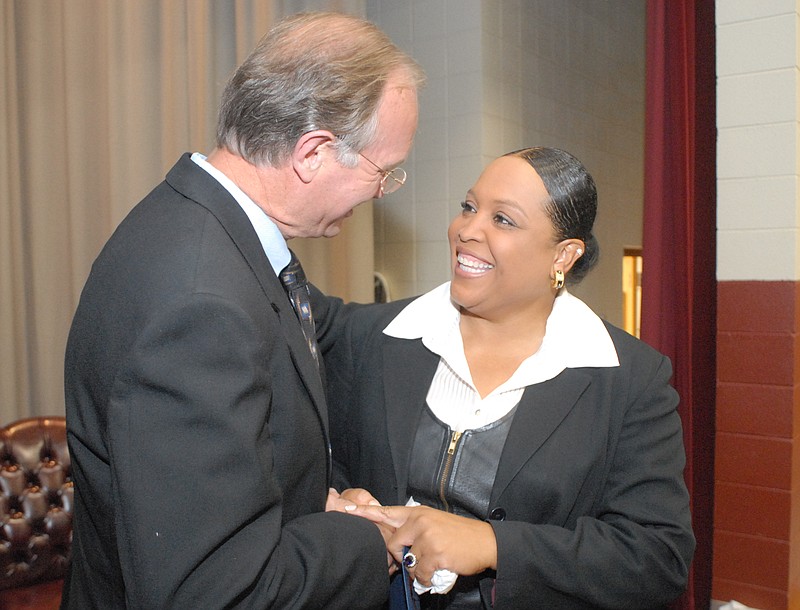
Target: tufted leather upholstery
{"x":35,"y":502}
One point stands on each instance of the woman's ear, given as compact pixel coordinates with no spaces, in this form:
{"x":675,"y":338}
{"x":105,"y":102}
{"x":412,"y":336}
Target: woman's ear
{"x":568,"y":252}
{"x":310,"y":153}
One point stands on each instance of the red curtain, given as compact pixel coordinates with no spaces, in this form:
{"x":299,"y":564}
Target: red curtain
{"x":679,"y":244}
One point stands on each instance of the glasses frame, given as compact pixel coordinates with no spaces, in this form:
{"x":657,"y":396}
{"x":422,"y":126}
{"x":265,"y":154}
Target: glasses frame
{"x":398,"y":176}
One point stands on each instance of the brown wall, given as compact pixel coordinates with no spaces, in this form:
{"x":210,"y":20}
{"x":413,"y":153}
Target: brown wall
{"x":757,"y":474}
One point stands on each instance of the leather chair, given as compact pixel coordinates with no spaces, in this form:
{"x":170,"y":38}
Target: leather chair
{"x":35,"y":513}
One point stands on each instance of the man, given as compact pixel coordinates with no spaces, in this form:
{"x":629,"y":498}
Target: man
{"x":196,"y":415}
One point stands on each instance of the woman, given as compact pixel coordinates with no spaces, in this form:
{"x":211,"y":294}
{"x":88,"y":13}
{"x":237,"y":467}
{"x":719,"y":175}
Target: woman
{"x":543,"y":443}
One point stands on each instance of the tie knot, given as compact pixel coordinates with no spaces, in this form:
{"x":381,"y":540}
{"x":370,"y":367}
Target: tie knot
{"x":292,"y":275}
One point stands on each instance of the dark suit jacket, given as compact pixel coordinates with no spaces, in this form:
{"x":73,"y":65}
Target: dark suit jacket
{"x":197,"y":425}
{"x":589,"y":505}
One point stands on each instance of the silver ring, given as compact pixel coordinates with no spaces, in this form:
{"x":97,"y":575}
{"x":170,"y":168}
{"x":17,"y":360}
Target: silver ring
{"x":409,"y":560}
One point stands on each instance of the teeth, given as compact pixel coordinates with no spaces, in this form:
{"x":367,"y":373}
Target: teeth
{"x":472,"y":265}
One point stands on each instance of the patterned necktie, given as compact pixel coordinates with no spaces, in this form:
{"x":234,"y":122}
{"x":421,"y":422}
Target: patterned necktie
{"x":296,"y":285}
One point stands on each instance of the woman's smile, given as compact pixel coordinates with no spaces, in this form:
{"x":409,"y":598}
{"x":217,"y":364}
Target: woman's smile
{"x":472,"y":265}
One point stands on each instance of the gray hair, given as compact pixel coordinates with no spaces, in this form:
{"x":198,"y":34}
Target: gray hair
{"x":311,"y":71}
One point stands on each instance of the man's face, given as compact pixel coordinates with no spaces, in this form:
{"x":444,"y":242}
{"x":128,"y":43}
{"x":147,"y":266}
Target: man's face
{"x":344,"y":187}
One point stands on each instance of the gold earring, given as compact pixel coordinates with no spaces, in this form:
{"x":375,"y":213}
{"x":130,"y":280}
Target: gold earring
{"x":558,"y":281}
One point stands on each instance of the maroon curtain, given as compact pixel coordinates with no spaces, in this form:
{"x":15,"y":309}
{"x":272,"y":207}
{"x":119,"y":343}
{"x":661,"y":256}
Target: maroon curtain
{"x":679,"y":245}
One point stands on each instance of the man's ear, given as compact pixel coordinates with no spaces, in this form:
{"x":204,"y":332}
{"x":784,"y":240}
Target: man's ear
{"x":311,"y":151}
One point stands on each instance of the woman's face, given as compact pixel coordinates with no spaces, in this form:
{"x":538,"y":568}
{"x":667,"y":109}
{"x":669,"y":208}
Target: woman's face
{"x":502,"y":245}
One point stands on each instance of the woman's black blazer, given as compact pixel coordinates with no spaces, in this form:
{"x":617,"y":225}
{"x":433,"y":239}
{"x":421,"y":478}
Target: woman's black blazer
{"x":589,"y":505}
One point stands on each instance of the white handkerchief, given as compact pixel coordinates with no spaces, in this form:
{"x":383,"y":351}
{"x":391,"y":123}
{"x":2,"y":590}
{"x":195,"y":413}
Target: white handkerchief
{"x":442,"y":580}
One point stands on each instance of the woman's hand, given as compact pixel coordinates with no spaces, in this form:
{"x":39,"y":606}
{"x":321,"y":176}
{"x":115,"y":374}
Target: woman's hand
{"x":438,"y":540}
{"x":349,"y":497}
{"x":352,"y":497}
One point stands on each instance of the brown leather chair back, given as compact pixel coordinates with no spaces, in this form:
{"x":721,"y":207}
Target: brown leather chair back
{"x":35,"y":502}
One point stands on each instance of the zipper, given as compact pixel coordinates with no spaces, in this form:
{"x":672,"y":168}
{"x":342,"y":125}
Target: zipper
{"x":448,"y":464}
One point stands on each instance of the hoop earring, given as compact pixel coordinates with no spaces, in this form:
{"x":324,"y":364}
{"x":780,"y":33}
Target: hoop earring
{"x":558,"y":280}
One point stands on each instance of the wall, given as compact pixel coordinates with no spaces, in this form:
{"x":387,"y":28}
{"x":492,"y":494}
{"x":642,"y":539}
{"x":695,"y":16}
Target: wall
{"x":504,"y":74}
{"x":410,"y":225}
{"x":757,"y":474}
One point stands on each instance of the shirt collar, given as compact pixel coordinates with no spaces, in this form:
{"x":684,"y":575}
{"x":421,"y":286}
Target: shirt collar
{"x":575,"y":337}
{"x":272,"y":241}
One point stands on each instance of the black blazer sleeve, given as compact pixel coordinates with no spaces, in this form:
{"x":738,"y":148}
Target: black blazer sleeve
{"x":627,"y":541}
{"x":188,"y":416}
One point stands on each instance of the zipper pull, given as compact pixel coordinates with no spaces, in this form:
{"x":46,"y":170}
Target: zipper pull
{"x":453,"y":442}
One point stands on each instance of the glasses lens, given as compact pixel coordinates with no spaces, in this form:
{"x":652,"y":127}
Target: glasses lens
{"x":393,"y":180}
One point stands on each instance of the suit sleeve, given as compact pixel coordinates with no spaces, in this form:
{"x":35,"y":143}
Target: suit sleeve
{"x":342,"y":330}
{"x":635,"y":548}
{"x":333,"y":321}
{"x":200,"y":521}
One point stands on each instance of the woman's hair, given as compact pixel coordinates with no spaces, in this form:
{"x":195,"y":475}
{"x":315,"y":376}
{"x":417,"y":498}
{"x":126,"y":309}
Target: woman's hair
{"x":572,"y":205}
{"x":311,"y":71}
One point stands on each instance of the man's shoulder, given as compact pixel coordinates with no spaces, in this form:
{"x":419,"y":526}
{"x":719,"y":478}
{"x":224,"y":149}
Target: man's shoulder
{"x":376,"y":316}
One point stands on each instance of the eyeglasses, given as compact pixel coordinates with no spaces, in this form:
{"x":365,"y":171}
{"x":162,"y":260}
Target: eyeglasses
{"x":391,"y":180}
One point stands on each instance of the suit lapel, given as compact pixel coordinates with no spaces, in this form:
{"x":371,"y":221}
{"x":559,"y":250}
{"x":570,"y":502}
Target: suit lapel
{"x":198,"y":185}
{"x":542,"y":408}
{"x":408,"y":369}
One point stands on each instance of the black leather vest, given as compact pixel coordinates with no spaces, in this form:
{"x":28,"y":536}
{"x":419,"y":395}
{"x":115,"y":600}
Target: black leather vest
{"x":455,"y":472}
